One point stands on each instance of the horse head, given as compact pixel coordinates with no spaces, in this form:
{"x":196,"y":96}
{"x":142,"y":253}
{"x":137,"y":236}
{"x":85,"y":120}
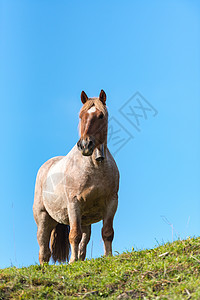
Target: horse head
{"x":93,"y":125}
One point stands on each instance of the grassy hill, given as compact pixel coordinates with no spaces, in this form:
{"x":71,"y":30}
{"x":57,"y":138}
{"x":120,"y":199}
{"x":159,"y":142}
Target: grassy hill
{"x":171,"y":271}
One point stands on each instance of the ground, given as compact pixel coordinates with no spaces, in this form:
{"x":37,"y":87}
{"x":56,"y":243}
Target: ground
{"x":170,"y":271}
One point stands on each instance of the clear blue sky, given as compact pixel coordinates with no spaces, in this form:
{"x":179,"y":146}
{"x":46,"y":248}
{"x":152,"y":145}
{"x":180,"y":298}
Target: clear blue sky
{"x":52,"y":50}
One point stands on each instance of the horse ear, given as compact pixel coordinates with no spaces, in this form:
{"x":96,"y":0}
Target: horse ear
{"x":84,"y":97}
{"x":102,"y":97}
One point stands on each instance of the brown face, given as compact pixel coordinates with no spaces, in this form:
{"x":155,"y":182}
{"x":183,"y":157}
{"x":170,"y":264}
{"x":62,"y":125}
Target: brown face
{"x":93,"y":128}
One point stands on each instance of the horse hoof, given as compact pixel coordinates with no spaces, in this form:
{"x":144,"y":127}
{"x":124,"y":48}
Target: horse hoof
{"x":72,"y":261}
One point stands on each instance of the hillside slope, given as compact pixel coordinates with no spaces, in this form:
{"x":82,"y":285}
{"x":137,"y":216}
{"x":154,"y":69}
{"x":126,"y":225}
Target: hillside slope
{"x":171,"y":271}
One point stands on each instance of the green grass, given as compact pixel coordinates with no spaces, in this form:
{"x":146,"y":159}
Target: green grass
{"x":137,"y":275}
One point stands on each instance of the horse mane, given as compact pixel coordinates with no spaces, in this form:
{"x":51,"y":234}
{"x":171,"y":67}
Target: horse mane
{"x":97,"y":103}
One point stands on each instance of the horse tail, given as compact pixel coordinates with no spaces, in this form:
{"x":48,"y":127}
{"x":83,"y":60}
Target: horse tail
{"x":60,"y":246}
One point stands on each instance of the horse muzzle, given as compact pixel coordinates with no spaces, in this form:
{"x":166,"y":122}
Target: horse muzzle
{"x":86,"y":146}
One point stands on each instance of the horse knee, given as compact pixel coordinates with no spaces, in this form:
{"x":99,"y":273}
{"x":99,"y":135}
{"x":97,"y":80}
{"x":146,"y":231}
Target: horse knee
{"x":86,"y":233}
{"x":107,"y":233}
{"x":75,"y":235}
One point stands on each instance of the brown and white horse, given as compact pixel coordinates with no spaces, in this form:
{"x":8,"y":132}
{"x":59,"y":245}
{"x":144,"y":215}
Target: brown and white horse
{"x":79,"y":189}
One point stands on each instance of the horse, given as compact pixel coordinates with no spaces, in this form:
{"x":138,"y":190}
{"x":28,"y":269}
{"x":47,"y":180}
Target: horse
{"x":79,"y":189}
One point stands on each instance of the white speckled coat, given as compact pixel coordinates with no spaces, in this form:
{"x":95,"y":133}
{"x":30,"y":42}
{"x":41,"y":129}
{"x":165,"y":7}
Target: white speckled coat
{"x":76,"y":190}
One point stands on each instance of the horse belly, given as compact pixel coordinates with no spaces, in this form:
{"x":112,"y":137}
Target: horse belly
{"x":55,"y":198}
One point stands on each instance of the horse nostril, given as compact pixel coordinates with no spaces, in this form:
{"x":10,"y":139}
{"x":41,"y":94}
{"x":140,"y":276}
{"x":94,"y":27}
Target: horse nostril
{"x":90,"y":144}
{"x":79,"y":144}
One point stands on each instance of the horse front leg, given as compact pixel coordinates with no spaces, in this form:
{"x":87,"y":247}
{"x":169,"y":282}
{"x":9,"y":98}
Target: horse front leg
{"x":75,"y":229}
{"x":86,"y":233}
{"x":107,"y":229}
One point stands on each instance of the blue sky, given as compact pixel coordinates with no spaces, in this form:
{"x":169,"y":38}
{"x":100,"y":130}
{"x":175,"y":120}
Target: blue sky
{"x":51,"y":51}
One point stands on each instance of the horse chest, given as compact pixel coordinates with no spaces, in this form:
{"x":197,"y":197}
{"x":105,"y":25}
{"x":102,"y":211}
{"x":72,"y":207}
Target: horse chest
{"x":93,"y":200}
{"x":90,"y":189}
{"x":71,"y":180}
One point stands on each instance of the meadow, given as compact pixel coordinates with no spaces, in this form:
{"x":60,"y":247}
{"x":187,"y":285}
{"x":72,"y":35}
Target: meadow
{"x":170,"y":271}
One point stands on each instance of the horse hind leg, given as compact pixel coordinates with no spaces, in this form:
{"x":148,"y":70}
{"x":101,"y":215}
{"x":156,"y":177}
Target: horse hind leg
{"x":45,"y":226}
{"x":86,"y":233}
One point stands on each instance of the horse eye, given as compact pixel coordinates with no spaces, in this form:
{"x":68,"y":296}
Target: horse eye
{"x":101,"y":116}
